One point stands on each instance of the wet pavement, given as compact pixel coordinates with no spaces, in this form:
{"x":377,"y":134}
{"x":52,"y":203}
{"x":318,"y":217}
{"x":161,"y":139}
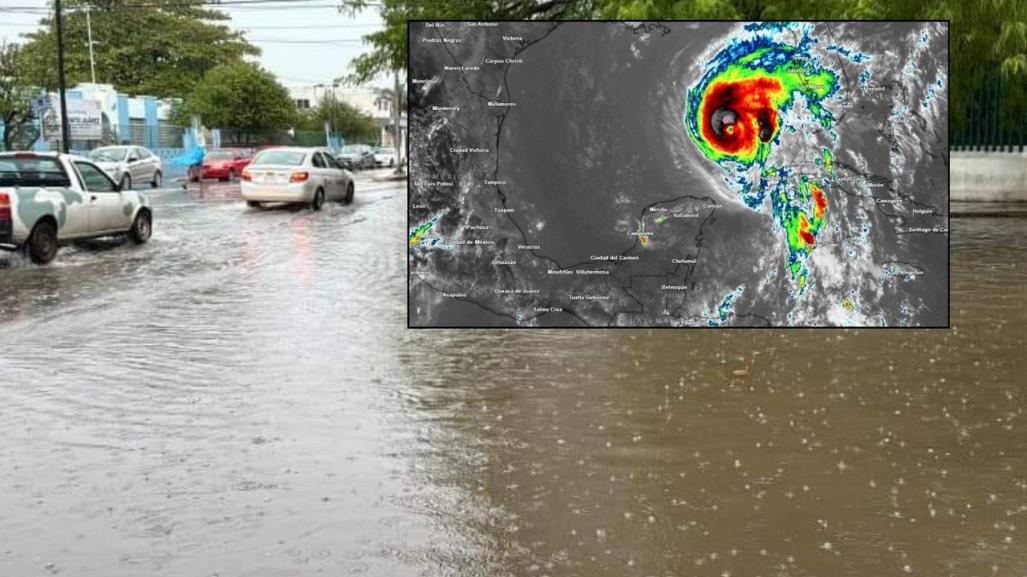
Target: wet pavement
{"x":240,"y":396}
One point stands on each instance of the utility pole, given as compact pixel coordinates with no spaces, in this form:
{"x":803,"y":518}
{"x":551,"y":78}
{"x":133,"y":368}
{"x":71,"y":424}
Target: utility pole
{"x":65,"y":136}
{"x":89,"y":32}
{"x":395,"y":121}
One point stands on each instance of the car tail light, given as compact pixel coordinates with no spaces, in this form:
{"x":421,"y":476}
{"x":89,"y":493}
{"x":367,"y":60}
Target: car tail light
{"x":299,"y":176}
{"x":246,"y":175}
{"x":5,"y":206}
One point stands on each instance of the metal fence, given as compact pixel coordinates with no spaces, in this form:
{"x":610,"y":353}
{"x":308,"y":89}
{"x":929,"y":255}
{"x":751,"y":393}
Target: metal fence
{"x":994,"y":118}
{"x":236,"y":138}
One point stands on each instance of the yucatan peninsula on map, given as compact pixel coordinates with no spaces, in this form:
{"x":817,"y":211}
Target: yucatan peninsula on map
{"x":678,"y":174}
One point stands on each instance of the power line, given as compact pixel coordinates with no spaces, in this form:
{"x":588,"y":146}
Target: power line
{"x":290,"y":41}
{"x":315,"y":27}
{"x":234,"y":4}
{"x":282,"y":27}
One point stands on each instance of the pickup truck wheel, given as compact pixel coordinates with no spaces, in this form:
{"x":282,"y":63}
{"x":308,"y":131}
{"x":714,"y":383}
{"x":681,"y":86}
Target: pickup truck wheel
{"x":42,"y":244}
{"x":252,"y":204}
{"x":126,"y":182}
{"x":156,"y":180}
{"x":349,"y":193}
{"x":319,"y":200}
{"x":142,"y":228}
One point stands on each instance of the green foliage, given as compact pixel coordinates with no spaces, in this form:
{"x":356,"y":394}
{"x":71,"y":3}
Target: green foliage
{"x":242,"y":99}
{"x":988,"y":37}
{"x":157,"y":47}
{"x":16,"y":116}
{"x":344,"y":119}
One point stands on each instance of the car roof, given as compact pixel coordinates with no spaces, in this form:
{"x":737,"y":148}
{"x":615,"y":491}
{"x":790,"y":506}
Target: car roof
{"x":296,"y":148}
{"x":43,"y":154}
{"x":30,"y":153}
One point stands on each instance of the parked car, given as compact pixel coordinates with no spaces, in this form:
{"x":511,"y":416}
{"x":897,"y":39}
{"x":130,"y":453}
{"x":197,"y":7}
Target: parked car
{"x":225,"y":163}
{"x":385,"y":157}
{"x":356,"y":156}
{"x":48,"y":199}
{"x":296,"y":175}
{"x":129,"y":165}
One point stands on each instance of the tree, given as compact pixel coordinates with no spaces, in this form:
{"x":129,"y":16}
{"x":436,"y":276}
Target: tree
{"x":16,"y":115}
{"x":157,"y":47}
{"x":241,"y":98}
{"x":343,"y":118}
{"x":988,"y":37}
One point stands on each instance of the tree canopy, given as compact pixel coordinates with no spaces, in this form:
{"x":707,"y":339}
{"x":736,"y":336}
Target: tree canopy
{"x":16,"y":116}
{"x":243,"y":99}
{"x":158,"y":47}
{"x":343,"y":118}
{"x":988,"y":37}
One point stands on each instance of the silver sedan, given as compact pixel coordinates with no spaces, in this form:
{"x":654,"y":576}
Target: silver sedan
{"x":129,"y":166}
{"x":296,"y":175}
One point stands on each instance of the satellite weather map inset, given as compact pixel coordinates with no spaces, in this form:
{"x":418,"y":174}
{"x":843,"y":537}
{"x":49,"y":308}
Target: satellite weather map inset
{"x":678,"y":174}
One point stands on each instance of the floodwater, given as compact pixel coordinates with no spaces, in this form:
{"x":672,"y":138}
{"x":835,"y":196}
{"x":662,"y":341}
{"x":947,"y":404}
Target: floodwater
{"x":241,"y":397}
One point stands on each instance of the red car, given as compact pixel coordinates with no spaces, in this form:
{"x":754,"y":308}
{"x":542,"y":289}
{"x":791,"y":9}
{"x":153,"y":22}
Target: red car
{"x":225,"y":163}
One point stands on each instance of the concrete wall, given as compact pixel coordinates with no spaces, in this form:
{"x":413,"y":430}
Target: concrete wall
{"x":988,"y":176}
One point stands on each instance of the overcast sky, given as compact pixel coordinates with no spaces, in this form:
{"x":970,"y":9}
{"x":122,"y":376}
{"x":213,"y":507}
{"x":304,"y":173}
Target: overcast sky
{"x":301,"y":41}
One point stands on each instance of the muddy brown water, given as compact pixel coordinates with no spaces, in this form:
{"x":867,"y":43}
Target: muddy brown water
{"x":241,"y":397}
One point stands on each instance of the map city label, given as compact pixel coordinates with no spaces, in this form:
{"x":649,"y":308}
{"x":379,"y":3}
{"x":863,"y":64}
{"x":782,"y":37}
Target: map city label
{"x":612,"y":257}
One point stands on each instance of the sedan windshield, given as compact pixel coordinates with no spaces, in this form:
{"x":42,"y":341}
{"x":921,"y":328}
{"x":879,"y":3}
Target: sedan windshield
{"x":286,"y":157}
{"x":114,"y":154}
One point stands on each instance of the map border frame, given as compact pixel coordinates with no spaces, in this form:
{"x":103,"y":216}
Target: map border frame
{"x":948,"y":189}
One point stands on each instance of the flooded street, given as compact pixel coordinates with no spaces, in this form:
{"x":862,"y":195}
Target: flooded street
{"x":241,"y":396}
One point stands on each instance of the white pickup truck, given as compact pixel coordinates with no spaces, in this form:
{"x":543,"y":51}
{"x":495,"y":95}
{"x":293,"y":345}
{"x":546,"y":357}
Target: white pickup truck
{"x":48,"y":199}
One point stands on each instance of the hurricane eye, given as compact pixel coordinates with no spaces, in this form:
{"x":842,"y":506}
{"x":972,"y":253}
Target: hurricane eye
{"x":721,"y":118}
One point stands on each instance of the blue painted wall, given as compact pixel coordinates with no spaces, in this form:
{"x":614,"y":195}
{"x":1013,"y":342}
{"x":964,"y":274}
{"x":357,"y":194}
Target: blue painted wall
{"x":124,"y":131}
{"x":150,"y":121}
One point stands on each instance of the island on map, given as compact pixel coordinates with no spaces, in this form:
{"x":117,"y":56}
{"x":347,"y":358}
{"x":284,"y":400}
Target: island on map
{"x":678,"y":174}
